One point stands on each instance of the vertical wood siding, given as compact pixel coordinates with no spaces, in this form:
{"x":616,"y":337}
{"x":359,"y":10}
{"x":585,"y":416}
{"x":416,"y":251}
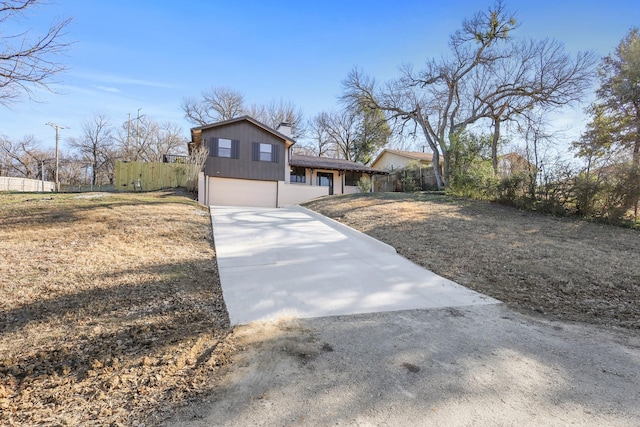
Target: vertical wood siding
{"x":244,"y":166}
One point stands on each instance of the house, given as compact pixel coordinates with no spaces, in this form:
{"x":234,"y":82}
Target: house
{"x":513,"y":163}
{"x":251,"y":164}
{"x":392,"y":160}
{"x":403,"y":165}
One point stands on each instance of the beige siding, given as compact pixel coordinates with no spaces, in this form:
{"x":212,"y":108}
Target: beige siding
{"x":337,"y":183}
{"x":350,"y":189}
{"x":390,"y":161}
{"x":242,"y":192}
{"x":293,"y":194}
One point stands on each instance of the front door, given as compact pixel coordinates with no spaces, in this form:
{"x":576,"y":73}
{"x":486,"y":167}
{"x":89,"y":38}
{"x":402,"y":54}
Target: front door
{"x":325,"y":179}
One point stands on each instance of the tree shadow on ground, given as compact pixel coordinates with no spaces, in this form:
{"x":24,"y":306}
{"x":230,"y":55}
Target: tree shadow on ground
{"x":130,"y":352}
{"x":454,"y":366}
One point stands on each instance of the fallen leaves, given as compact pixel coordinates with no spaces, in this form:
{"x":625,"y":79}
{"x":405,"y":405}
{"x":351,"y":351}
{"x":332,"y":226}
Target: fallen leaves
{"x":111,"y":308}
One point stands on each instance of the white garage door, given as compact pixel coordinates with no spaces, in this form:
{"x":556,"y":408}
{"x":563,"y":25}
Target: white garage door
{"x":242,"y":192}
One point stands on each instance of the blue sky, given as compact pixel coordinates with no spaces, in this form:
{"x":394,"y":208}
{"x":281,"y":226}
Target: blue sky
{"x":151,"y":54}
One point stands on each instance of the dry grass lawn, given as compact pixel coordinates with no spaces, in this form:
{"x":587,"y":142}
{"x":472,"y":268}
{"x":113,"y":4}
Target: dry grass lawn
{"x":564,"y":268}
{"x":111,"y":311}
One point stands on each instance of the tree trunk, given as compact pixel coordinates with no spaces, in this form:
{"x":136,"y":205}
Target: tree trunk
{"x":436,"y":169}
{"x":636,"y":144}
{"x":94,"y":169}
{"x":494,"y":145}
{"x":446,"y":157}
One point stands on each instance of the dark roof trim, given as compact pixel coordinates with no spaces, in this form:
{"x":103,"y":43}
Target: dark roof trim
{"x":198,"y":130}
{"x":332,"y":164}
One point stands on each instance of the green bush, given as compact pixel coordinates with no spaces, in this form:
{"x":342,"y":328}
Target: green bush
{"x":364,"y":184}
{"x":409,"y":184}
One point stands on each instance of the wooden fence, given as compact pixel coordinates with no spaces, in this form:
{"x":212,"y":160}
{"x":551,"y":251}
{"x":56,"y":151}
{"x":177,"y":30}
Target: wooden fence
{"x":8,"y":183}
{"x":150,"y":176}
{"x":406,"y":179}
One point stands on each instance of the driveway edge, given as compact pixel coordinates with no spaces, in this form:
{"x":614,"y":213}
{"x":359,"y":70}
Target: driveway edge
{"x":345,"y":229}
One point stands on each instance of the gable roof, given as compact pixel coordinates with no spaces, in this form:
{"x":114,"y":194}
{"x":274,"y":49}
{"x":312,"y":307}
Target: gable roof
{"x":196,"y":132}
{"x":412,"y":155}
{"x":313,"y":162}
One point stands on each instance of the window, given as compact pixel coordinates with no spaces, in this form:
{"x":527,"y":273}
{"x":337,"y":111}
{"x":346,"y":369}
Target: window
{"x":298,"y":174}
{"x":351,"y":178}
{"x":223,"y":147}
{"x":265,"y":152}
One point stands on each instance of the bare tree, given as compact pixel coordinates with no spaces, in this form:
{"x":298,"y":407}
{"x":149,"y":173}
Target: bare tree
{"x":28,"y":60}
{"x":149,"y":140}
{"x":220,"y":103}
{"x":276,"y":112}
{"x":217,"y":104}
{"x":197,"y":159}
{"x":352,"y":133}
{"x":95,"y":146}
{"x":5,"y":157}
{"x":341,"y":132}
{"x":24,"y":158}
{"x":320,"y":145}
{"x":169,"y":140}
{"x":73,"y":169}
{"x":532,"y":74}
{"x":484,"y":78}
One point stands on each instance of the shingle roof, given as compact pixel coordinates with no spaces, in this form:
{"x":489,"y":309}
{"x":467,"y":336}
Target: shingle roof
{"x":417,"y":155}
{"x":196,"y":132}
{"x":331,"y":164}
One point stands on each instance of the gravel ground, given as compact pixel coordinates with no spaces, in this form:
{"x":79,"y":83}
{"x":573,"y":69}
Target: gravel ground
{"x":466,"y":366}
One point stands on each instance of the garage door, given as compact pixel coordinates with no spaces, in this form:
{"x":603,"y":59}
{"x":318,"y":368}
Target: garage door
{"x":242,"y":192}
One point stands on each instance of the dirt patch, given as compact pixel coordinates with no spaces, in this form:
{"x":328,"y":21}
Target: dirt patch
{"x":480,"y":365}
{"x":565,"y":268}
{"x":111,"y":309}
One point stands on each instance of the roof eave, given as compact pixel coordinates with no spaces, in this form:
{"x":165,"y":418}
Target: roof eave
{"x":287,"y":140}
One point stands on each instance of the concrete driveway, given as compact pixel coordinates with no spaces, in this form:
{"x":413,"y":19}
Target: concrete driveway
{"x":292,"y":262}
{"x":476,"y":364}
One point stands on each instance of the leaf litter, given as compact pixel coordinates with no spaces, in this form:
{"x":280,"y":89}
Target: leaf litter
{"x":111,"y":310}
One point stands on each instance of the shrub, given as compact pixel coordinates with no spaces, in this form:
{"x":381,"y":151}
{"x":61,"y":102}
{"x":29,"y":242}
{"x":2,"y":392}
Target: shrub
{"x":409,"y":184}
{"x":364,"y":184}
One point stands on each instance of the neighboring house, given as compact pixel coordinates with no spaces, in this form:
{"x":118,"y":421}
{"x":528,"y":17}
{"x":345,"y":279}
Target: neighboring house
{"x":512,"y":163}
{"x":391,"y":160}
{"x":415,"y":166}
{"x":250,"y":164}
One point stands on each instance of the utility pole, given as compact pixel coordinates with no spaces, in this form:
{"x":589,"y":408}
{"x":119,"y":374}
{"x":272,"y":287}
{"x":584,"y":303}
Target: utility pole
{"x":57,"y":128}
